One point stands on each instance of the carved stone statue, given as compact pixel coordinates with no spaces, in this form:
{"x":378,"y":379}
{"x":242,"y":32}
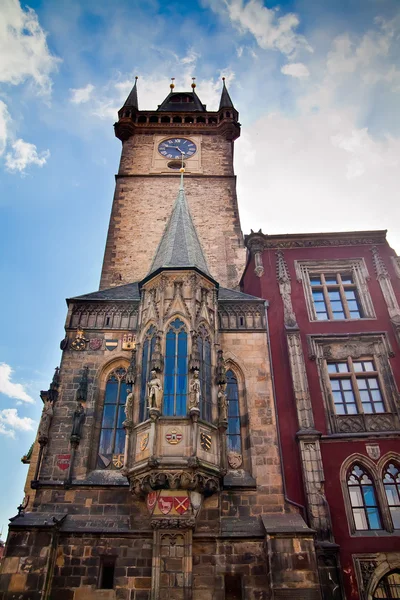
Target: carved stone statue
{"x":45,"y":421}
{"x":129,"y":406}
{"x":223,"y":402}
{"x":154,"y":391}
{"x":79,"y":417}
{"x":82,"y":392}
{"x":194,"y":391}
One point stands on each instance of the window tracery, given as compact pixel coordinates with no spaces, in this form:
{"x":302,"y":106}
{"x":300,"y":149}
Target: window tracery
{"x":233,"y":435}
{"x":149,"y":343}
{"x":112,"y":434}
{"x":176,"y":370}
{"x":204,"y":350}
{"x":363,"y":499}
{"x":391,"y":484}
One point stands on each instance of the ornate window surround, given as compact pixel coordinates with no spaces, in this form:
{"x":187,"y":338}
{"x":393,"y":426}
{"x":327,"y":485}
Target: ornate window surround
{"x":232,"y":365}
{"x":323,"y":348}
{"x":355,"y":266}
{"x":375,"y":471}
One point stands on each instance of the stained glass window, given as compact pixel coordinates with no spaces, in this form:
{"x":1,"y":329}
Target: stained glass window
{"x":391,"y":483}
{"x":233,"y":436}
{"x":176,"y":370}
{"x":112,"y":436}
{"x":204,"y":347}
{"x":363,"y":499}
{"x":147,"y":353}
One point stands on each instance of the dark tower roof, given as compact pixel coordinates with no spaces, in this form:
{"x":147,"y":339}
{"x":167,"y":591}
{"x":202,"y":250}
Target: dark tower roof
{"x":180,"y":246}
{"x":182,"y":102}
{"x":225,"y":101}
{"x":132,"y":99}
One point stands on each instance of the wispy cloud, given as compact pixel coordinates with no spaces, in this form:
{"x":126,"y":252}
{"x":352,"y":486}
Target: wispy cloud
{"x":11,"y":389}
{"x":295,"y":70}
{"x":82,"y":95}
{"x":10,"y":422}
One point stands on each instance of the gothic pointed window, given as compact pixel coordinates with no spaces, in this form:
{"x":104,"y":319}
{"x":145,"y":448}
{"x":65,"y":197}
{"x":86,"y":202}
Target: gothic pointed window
{"x":204,"y":348}
{"x":112,"y":435}
{"x":147,"y":353}
{"x":233,"y":437}
{"x":363,"y":499}
{"x":176,"y":370}
{"x":391,"y":483}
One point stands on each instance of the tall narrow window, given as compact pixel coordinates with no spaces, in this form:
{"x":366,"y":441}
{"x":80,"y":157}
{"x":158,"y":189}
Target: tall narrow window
{"x":107,"y":570}
{"x":363,"y":499}
{"x":176,"y":370}
{"x":233,"y":437}
{"x":389,"y":586}
{"x":204,"y":346}
{"x":391,"y":483}
{"x":147,"y":353}
{"x":112,"y":436}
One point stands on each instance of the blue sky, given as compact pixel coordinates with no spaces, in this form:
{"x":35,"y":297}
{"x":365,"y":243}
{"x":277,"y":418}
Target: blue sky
{"x":317,"y":85}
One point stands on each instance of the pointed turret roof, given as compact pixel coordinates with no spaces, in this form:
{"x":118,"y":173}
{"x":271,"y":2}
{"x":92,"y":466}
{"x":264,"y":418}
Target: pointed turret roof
{"x":225,"y":101}
{"x":180,"y":246}
{"x":182,"y":102}
{"x":132,"y":99}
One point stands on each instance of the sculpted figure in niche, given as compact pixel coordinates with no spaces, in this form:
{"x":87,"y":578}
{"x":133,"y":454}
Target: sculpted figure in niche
{"x":129,"y":406}
{"x":45,"y":421}
{"x":195,"y":391}
{"x":223,"y":402}
{"x":79,"y":417}
{"x":154,"y":391}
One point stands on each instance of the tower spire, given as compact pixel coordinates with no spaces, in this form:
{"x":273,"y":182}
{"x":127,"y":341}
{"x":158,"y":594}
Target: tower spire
{"x":225,"y":101}
{"x":180,"y":246}
{"x":132,"y":99}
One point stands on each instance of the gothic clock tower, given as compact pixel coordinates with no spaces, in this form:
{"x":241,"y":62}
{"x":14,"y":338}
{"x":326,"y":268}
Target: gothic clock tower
{"x":154,"y":143}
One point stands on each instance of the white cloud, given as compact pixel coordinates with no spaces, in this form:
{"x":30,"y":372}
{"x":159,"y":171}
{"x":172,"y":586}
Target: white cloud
{"x":295,"y":70}
{"x":24,"y":53}
{"x":23,"y":155}
{"x":81,"y":95}
{"x":4,"y":124}
{"x":271,"y":31}
{"x":10,"y":389}
{"x":10,"y":421}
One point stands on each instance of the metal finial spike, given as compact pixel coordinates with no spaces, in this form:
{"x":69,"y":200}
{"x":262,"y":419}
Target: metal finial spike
{"x":136,"y":77}
{"x":223,"y":79}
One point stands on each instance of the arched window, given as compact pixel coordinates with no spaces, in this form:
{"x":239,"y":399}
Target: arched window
{"x":389,"y":586}
{"x":176,"y":370}
{"x":147,"y":353}
{"x":204,"y":347}
{"x":391,"y":483}
{"x":233,"y":438}
{"x":112,"y":436}
{"x":363,"y":499}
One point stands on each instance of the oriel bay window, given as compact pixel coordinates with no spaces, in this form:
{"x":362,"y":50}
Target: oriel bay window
{"x":112,"y":435}
{"x":355,"y":387}
{"x":363,"y":499}
{"x":176,"y":370}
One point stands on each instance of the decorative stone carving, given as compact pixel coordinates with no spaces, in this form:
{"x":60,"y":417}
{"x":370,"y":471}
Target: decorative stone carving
{"x":54,"y":386}
{"x":102,"y":315}
{"x":283,"y":277}
{"x":194,"y":363}
{"x":223,"y":403}
{"x":175,"y":523}
{"x":235,"y":460}
{"x":350,"y":423}
{"x":79,"y":343}
{"x":373,"y":451}
{"x":300,"y":383}
{"x":45,"y":422}
{"x":154,"y":392}
{"x":157,"y":361}
{"x":194,"y":392}
{"x":221,"y":369}
{"x":367,"y":568}
{"x":129,"y":408}
{"x":82,"y":392}
{"x":184,"y":480}
{"x":78,"y":419}
{"x":246,"y":315}
{"x":385,"y":282}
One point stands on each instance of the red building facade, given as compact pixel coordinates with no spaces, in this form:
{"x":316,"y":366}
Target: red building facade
{"x":334,"y":328}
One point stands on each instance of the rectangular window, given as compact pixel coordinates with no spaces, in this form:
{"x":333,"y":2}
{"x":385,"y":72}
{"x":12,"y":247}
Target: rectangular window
{"x":233,"y":587}
{"x":355,"y":387}
{"x":107,"y":569}
{"x":335,"y":296}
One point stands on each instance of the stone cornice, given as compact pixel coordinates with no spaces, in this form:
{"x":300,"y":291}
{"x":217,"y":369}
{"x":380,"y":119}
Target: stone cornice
{"x":313,"y":240}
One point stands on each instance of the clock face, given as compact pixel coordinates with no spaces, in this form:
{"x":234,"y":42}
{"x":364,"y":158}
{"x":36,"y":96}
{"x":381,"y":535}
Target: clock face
{"x":177,"y":148}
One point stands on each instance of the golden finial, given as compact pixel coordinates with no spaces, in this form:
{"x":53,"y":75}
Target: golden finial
{"x":136,"y":77}
{"x":182,"y":170}
{"x":193,"y":83}
{"x":223,"y":79}
{"x":172,"y":85}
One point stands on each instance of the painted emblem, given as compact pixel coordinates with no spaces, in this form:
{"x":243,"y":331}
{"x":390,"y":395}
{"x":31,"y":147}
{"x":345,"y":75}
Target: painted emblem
{"x":105,"y":462}
{"x":144,"y":442}
{"x":373,"y":452}
{"x":235,"y":460}
{"x":63,"y":461}
{"x":181,"y":504}
{"x":151,"y":500}
{"x":174,"y":436}
{"x":95,"y":343}
{"x":118,"y":460}
{"x":205,"y":441}
{"x":128,"y":341}
{"x":111,"y":345}
{"x":165,"y":504}
{"x":80,"y":341}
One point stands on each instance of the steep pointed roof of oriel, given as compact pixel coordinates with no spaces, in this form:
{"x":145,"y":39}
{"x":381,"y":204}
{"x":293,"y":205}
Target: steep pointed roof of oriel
{"x":225,"y":101}
{"x":132,"y":99}
{"x":180,"y":246}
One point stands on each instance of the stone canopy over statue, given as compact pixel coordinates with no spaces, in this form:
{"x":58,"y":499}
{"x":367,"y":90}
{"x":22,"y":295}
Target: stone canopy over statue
{"x":154,"y":392}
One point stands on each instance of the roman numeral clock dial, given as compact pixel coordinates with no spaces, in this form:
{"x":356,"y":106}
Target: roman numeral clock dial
{"x":176,"y":148}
